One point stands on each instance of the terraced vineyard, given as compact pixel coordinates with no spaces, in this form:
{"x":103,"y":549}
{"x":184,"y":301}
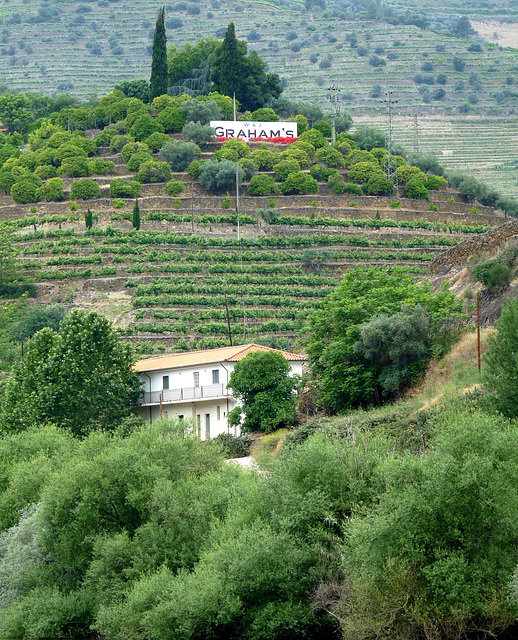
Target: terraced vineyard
{"x":168,"y":284}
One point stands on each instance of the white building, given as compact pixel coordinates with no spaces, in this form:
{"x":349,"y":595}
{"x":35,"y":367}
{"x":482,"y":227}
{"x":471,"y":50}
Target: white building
{"x":193,"y":385}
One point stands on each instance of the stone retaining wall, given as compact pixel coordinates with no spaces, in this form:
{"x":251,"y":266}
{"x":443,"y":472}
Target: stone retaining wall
{"x":491,"y":243}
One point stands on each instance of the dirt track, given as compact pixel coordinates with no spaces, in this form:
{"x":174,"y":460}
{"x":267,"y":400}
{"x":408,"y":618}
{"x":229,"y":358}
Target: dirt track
{"x":502,"y":33}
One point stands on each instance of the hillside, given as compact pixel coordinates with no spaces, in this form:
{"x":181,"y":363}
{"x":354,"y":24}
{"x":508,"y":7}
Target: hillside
{"x":168,"y":284}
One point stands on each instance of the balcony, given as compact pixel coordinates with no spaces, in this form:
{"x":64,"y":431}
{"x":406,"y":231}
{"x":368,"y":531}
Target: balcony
{"x":185,"y":394}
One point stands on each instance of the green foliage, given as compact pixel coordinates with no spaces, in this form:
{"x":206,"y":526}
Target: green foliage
{"x":232,"y":150}
{"x":80,"y":378}
{"x":344,"y":377}
{"x":435,"y":182}
{"x":74,"y":167}
{"x":368,"y":137}
{"x":421,"y":557}
{"x":265,"y":114}
{"x":378,"y":185}
{"x":174,"y":187}
{"x":100,"y":166}
{"x":89,"y":221}
{"x":52,"y":190}
{"x":262,"y":185}
{"x":138,"y":159}
{"x":154,"y":172}
{"x":284,"y":168}
{"x":84,"y":189}
{"x":24,"y":191}
{"x":265,"y":389}
{"x":198,"y":133}
{"x":299,"y":182}
{"x":220,"y":176}
{"x":314,"y":137}
{"x":134,"y":147}
{"x":362,"y":172}
{"x":329,"y":157}
{"x":179,"y":154}
{"x":117,"y":142}
{"x":158,"y":81}
{"x":501,"y":365}
{"x":232,"y":446}
{"x":415,"y":188}
{"x":265,"y":159}
{"x":492,"y":274}
{"x":172,"y":119}
{"x":143,"y":126}
{"x":135,"y":219}
{"x":122,"y":187}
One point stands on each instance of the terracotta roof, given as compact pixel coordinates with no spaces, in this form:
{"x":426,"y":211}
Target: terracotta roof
{"x":208,"y":356}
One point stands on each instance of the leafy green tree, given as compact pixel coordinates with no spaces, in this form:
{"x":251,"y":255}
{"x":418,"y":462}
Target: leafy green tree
{"x":89,"y":221}
{"x":299,"y":182}
{"x":368,"y":137}
{"x":182,"y":62}
{"x":158,"y":81}
{"x":262,"y":185}
{"x":198,"y":133}
{"x":202,"y":112}
{"x":501,"y":362}
{"x":227,"y":66}
{"x":85,"y":188}
{"x":52,"y":189}
{"x":220,"y":176}
{"x":172,"y":119}
{"x":80,"y":378}
{"x":36,"y":318}
{"x":124,"y":188}
{"x":135,"y":89}
{"x":344,"y":377}
{"x":179,"y":154}
{"x":135,"y":220}
{"x":263,"y":385}
{"x":15,"y":112}
{"x":153,"y":172}
{"x":9,"y":252}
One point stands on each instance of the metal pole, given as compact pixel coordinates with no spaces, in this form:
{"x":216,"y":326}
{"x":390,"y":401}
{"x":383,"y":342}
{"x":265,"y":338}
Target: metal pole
{"x":228,"y":320}
{"x":478,"y":330}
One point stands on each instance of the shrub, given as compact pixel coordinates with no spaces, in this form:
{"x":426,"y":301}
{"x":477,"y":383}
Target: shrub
{"x":324,"y":127}
{"x":156,"y":141}
{"x":265,"y":114}
{"x":179,"y":154}
{"x":265,"y":159}
{"x":198,"y":133}
{"x":415,"y":188}
{"x":118,"y":142}
{"x":68,"y":150}
{"x":248,"y":166}
{"x":299,"y":182}
{"x":74,"y":167}
{"x":52,"y":190}
{"x":174,"y":187}
{"x":84,"y":189}
{"x":340,"y":186}
{"x":330,"y":157}
{"x":144,"y":126}
{"x":262,"y":185}
{"x":404,"y":173}
{"x":492,"y":274}
{"x":133,"y":147}
{"x":458,"y":63}
{"x":124,"y":188}
{"x":153,"y":171}
{"x":322,"y":173}
{"x":435,"y":182}
{"x":203,"y":112}
{"x":378,"y":185}
{"x":172,"y":119}
{"x":194,"y":169}
{"x":137,"y":159}
{"x":104,"y":138}
{"x":100,"y":166}
{"x":361,"y":172}
{"x":314,"y":137}
{"x":220,"y":176}
{"x":24,"y":191}
{"x":232,"y":446}
{"x":45,"y":171}
{"x":376,"y":61}
{"x":284,"y":168}
{"x":230,"y":148}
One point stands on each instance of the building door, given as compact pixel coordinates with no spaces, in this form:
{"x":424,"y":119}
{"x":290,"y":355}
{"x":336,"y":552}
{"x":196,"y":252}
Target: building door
{"x":207,"y":426}
{"x":198,"y":424}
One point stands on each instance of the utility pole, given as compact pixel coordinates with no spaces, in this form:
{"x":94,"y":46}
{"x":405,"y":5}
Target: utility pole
{"x":333,"y":98}
{"x":389,"y":161}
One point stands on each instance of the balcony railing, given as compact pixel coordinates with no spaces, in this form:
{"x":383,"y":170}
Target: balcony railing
{"x":185,"y":394}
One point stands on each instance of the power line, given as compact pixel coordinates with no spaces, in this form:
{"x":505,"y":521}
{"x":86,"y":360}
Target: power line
{"x":335,"y":109}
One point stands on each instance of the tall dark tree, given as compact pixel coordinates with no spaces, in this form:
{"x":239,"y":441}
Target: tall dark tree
{"x":136,"y":216}
{"x":158,"y":80}
{"x":227,"y":67}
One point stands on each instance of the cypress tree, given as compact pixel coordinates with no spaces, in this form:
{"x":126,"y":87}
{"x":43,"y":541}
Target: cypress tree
{"x":89,"y":220}
{"x":158,"y":80}
{"x":227,"y":68}
{"x":136,"y":216}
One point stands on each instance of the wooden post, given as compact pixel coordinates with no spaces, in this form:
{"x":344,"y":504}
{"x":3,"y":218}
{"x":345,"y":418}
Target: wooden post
{"x":478,"y":330}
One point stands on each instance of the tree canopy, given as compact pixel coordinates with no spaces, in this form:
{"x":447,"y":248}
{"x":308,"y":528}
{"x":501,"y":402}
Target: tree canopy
{"x":158,"y":80}
{"x":263,"y":384}
{"x":370,"y":337}
{"x":79,"y":378}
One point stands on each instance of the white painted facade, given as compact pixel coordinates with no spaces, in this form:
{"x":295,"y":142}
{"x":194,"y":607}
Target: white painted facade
{"x":193,"y":386}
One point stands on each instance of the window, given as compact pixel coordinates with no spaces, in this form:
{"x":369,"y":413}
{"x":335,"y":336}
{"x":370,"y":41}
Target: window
{"x":218,"y":411}
{"x":180,"y":417}
{"x":165,"y":382}
{"x":198,"y":424}
{"x":215,"y":376}
{"x":207,"y":426}
{"x":196,"y":376}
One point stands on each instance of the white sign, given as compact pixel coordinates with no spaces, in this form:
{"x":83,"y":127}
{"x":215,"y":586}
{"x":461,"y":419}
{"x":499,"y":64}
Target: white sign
{"x":247,"y":130}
